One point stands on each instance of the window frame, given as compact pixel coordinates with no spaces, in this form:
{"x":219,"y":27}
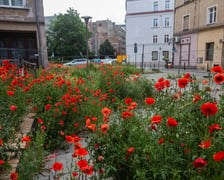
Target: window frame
{"x":155,"y":39}
{"x":155,"y":4}
{"x":156,"y":55}
{"x":188,"y":27}
{"x":214,"y":14}
{"x":166,"y":38}
{"x":155,"y":22}
{"x":10,"y":4}
{"x":207,"y":51}
{"x":166,"y":53}
{"x":167,"y":23}
{"x":167,"y":4}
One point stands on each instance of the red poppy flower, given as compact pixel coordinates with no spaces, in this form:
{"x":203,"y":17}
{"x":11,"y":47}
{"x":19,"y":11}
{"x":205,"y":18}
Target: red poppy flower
{"x":205,"y":144}
{"x":13,"y":108}
{"x":219,"y":78}
{"x":156,"y":119}
{"x":26,"y":139}
{"x":160,"y":86}
{"x":171,"y":122}
{"x":161,"y":141}
{"x":48,"y":106}
{"x":160,"y":80}
{"x":89,"y":170}
{"x":216,"y":69}
{"x":214,"y":127}
{"x":10,"y":93}
{"x":104,"y":128}
{"x":128,"y":101}
{"x":40,"y":121}
{"x":74,"y":174}
{"x":209,"y":109}
{"x":218,"y":156}
{"x":1,"y":162}
{"x":81,"y":152}
{"x":57,"y":166}
{"x":1,"y":142}
{"x":106,"y":111}
{"x":187,"y":76}
{"x":150,"y":101}
{"x":100,"y":158}
{"x":196,"y":98}
{"x":14,"y":176}
{"x":131,"y":149}
{"x":153,"y":127}
{"x":69,"y":139}
{"x":167,"y":83}
{"x":134,"y":104}
{"x":182,"y":82}
{"x":83,"y":164}
{"x":198,"y":163}
{"x":26,"y":89}
{"x":126,"y":115}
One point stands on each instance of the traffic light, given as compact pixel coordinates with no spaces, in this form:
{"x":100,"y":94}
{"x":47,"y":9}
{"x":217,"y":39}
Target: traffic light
{"x":135,"y":48}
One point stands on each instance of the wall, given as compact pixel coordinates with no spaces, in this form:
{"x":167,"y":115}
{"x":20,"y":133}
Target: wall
{"x":192,"y":51}
{"x":205,"y":37}
{"x":140,"y":30}
{"x":24,"y":19}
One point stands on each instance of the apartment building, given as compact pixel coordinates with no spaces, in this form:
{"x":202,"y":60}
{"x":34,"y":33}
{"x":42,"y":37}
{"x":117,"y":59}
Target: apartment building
{"x":199,"y":33}
{"x":22,"y":31}
{"x":149,"y":31}
{"x":106,"y":29}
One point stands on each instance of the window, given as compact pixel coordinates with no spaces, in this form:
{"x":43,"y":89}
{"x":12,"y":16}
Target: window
{"x":12,"y":3}
{"x":186,"y":21}
{"x":155,"y":37}
{"x":211,"y":18}
{"x":154,"y":55}
{"x":3,"y":50}
{"x":166,"y":38}
{"x":167,"y":22}
{"x":167,"y":4}
{"x":209,"y":51}
{"x":155,"y":22}
{"x":155,"y":6}
{"x":165,"y":55}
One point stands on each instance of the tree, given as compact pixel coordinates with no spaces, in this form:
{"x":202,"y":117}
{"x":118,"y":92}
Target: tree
{"x":66,"y":35}
{"x":106,"y":48}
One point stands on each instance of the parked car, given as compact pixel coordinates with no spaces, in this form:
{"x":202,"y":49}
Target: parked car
{"x":108,"y":61}
{"x":97,"y":61}
{"x":76,"y":62}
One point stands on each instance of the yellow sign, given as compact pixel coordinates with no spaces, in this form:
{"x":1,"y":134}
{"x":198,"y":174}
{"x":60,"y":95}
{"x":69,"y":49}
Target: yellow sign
{"x":120,"y":58}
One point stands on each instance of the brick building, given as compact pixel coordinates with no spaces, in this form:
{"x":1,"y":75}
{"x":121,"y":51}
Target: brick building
{"x":103,"y":30}
{"x":22,"y":31}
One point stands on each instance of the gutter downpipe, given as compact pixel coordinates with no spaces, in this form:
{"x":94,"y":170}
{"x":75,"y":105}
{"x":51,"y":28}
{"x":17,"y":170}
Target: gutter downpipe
{"x":39,"y":34}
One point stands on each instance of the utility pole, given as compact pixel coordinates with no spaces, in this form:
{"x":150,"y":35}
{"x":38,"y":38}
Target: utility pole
{"x":142,"y":57}
{"x":86,"y":19}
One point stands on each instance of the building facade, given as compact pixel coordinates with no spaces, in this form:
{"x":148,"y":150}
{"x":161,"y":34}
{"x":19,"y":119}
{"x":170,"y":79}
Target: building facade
{"x":149,"y":31}
{"x":22,"y":31}
{"x":199,"y":33}
{"x":103,"y":30}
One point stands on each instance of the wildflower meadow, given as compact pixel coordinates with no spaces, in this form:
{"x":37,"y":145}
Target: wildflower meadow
{"x":135,"y":128}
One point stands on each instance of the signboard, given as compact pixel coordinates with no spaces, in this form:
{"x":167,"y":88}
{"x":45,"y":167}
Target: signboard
{"x":121,"y":58}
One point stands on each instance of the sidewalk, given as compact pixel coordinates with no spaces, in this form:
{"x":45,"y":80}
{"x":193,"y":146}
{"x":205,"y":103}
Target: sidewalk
{"x":199,"y":74}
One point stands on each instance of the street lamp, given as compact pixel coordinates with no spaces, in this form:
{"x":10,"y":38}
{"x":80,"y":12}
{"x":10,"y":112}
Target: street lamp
{"x":86,"y":19}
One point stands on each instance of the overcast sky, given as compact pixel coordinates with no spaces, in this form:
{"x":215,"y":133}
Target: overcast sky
{"x":113,"y":10}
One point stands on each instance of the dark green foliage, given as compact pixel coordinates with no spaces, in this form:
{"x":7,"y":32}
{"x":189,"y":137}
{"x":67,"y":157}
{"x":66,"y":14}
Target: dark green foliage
{"x":66,"y":35}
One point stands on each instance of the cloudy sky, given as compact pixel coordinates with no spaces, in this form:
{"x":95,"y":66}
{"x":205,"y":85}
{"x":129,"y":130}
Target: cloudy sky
{"x":113,"y":10}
